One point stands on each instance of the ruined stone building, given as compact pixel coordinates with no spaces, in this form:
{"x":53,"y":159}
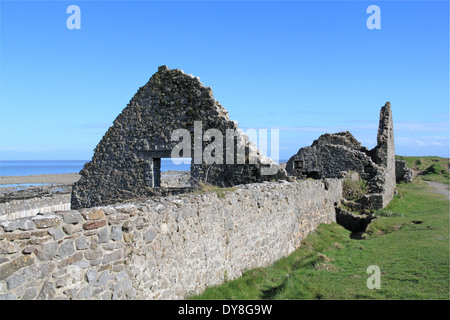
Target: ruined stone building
{"x":333,"y":155}
{"x":176,"y":245}
{"x":127,"y":161}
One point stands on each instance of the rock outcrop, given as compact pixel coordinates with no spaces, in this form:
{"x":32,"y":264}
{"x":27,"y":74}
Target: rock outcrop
{"x":126,"y":163}
{"x":402,"y":172}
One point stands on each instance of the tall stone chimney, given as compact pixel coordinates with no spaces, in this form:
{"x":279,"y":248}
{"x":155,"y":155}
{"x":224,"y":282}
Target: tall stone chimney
{"x":385,"y":151}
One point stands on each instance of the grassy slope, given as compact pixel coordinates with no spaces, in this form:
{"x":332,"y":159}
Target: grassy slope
{"x":411,"y":249}
{"x":429,"y":168}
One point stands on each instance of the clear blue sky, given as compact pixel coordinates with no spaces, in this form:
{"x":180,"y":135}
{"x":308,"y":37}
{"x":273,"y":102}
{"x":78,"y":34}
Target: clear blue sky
{"x":303,"y":67}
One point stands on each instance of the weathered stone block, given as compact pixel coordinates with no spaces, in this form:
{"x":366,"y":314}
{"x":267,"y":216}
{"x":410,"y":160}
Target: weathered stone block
{"x":36,"y":241}
{"x":15,"y":281}
{"x":48,"y":221}
{"x":81,"y":243}
{"x":95,"y":214}
{"x":8,"y":248}
{"x":127,"y":227}
{"x":103,"y":279}
{"x":47,"y":292}
{"x":66,"y":248}
{"x":84,"y":293}
{"x":117,"y":218}
{"x":127,"y":208}
{"x":127,"y":237}
{"x":109,"y":210}
{"x":94,"y":224}
{"x":103,"y":235}
{"x":39,"y":233}
{"x":7,"y":269}
{"x":38,"y":271}
{"x":30,"y":293}
{"x":72,"y":228}
{"x":46,"y":251}
{"x":116,"y":255}
{"x":93,"y":254}
{"x":71,"y":260}
{"x":116,"y":233}
{"x":57,"y":233}
{"x":150,"y":235}
{"x":3,"y":287}
{"x":18,"y":236}
{"x":28,"y":249}
{"x":72,"y":217}
{"x":21,"y":224}
{"x":91,"y":276}
{"x":94,"y":243}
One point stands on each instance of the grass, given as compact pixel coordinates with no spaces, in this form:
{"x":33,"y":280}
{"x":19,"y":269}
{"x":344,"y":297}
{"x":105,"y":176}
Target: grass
{"x":429,"y":168}
{"x":354,"y":189}
{"x":409,"y":242}
{"x":209,"y":188}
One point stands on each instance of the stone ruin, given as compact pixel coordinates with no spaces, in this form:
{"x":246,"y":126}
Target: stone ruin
{"x":402,"y":172}
{"x":127,"y":161}
{"x":172,"y":247}
{"x":335,"y":155}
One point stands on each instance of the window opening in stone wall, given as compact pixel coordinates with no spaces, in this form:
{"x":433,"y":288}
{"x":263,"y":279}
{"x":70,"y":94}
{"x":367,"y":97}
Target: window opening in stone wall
{"x":298,"y":164}
{"x":175,"y":173}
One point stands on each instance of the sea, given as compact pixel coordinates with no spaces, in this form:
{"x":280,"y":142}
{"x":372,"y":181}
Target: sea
{"x":34,"y":167}
{"x":26,"y":168}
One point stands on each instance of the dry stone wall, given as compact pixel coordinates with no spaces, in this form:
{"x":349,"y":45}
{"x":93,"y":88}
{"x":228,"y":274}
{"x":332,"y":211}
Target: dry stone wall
{"x":162,"y":248}
{"x":34,"y":200}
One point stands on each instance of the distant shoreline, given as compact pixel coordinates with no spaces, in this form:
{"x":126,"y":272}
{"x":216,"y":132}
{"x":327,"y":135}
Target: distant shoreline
{"x":58,"y":178}
{"x":61,"y":178}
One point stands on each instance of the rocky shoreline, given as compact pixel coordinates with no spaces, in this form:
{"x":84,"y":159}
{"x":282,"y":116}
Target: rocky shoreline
{"x":24,"y":196}
{"x":24,"y":187}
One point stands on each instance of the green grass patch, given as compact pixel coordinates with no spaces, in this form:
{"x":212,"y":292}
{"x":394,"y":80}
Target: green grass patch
{"x":209,"y":188}
{"x":409,"y":241}
{"x":354,"y":189}
{"x":429,"y":168}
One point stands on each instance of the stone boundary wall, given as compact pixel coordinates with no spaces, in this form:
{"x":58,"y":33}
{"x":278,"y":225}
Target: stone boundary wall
{"x":163,"y":248}
{"x":22,"y":208}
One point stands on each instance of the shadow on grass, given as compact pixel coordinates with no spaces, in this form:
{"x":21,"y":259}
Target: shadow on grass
{"x":272,"y":292}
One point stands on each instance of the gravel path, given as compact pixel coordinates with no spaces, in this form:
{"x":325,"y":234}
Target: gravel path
{"x":441,"y":188}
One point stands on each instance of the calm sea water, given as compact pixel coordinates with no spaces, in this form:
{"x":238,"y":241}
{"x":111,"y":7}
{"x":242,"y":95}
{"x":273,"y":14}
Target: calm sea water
{"x":25,"y":168}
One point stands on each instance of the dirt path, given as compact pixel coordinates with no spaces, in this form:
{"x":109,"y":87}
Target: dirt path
{"x":441,"y":188}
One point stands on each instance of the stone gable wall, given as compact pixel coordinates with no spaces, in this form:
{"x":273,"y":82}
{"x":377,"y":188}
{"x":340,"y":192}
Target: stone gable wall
{"x":162,"y":248}
{"x":126,"y":162}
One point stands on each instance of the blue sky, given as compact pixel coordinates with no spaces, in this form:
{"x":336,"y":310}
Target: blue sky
{"x":303,"y":67}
